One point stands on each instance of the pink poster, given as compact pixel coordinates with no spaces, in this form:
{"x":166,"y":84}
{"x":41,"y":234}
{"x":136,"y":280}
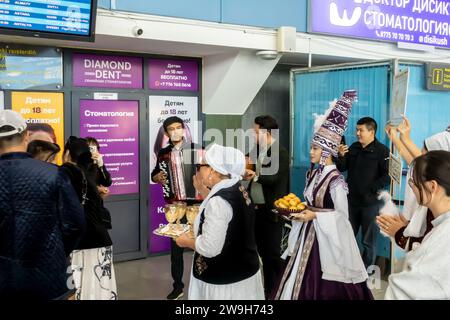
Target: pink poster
{"x":101,"y":71}
{"x":115,"y":125}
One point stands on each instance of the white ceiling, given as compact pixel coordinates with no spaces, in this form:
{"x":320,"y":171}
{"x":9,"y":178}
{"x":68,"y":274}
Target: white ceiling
{"x":146,"y":46}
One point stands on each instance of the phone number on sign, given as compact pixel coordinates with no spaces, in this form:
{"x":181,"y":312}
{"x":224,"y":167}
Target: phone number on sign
{"x":394,"y":35}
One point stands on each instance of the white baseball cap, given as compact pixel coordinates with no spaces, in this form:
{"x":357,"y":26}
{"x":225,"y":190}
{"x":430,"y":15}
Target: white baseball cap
{"x":12,"y":119}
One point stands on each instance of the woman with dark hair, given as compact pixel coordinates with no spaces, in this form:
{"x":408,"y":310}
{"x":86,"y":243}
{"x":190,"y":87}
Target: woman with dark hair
{"x":92,"y":261}
{"x":98,"y":169}
{"x":43,"y":150}
{"x":425,"y":275}
{"x":413,"y":224}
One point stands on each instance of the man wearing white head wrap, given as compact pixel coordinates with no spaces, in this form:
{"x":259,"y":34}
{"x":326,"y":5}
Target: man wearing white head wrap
{"x":226,"y":264}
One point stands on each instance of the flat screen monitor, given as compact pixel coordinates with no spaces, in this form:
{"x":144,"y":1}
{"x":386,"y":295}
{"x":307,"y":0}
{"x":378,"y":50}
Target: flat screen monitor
{"x":61,"y":19}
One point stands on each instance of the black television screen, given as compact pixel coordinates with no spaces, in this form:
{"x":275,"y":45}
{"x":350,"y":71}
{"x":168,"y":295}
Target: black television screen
{"x":70,"y":20}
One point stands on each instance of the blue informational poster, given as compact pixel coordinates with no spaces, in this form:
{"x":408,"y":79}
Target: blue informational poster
{"x":51,"y":16}
{"x":24,"y":67}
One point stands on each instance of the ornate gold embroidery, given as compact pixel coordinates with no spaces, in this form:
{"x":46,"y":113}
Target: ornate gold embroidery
{"x":248,"y":201}
{"x":200,"y":265}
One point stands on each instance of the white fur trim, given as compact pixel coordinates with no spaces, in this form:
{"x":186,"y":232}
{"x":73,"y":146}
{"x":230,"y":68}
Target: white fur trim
{"x":320,"y":119}
{"x":389,"y":208}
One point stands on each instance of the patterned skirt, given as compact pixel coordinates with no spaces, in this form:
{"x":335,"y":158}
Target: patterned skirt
{"x":93,"y":274}
{"x":310,"y":285}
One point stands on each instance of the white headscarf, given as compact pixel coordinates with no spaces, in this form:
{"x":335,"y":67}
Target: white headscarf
{"x":416,"y":213}
{"x":227,"y":161}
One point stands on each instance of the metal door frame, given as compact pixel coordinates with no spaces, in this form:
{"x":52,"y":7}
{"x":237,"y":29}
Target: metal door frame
{"x":143,"y":160}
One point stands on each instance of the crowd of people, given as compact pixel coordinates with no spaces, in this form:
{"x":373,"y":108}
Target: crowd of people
{"x":54,"y":224}
{"x":54,"y":240}
{"x":322,"y":260}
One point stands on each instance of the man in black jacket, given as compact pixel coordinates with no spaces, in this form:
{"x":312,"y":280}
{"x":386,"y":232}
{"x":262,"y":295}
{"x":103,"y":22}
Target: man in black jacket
{"x":268,"y":182}
{"x":367,"y":163}
{"x":181,"y":157}
{"x":41,"y":220}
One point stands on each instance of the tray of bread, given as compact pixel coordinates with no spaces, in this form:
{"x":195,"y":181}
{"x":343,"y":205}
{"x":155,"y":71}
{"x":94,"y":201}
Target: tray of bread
{"x":288,"y":205}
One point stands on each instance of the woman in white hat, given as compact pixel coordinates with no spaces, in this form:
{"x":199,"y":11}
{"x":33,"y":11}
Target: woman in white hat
{"x":226,"y":264}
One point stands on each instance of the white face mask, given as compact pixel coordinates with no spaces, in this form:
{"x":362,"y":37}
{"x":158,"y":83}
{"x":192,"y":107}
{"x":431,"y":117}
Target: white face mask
{"x":176,"y":135}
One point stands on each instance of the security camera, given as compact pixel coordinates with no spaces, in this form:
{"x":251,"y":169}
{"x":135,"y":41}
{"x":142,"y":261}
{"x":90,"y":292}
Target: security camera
{"x":138,"y":31}
{"x":267,"y":54}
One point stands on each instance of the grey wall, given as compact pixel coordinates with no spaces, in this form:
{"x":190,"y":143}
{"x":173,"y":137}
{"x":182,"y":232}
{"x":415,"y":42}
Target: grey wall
{"x":273,"y":100}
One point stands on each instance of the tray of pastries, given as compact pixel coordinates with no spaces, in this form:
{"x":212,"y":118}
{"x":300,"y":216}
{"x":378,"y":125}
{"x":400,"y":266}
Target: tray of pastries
{"x":289,"y":204}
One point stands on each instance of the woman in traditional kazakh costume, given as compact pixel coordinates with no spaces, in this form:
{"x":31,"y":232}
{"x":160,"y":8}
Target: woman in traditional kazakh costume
{"x":324,"y":262}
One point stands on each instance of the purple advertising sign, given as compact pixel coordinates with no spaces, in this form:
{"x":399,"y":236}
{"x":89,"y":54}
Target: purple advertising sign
{"x":101,"y":71}
{"x":157,"y":243}
{"x":115,"y":125}
{"x":412,"y":21}
{"x":173,"y":75}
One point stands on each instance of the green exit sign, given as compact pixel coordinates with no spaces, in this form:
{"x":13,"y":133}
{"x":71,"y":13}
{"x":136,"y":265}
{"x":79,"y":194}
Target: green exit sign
{"x":438,"y":76}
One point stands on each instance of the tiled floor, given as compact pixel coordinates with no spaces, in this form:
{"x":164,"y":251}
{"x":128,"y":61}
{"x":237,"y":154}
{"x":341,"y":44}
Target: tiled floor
{"x":150,"y":279}
{"x":378,"y":294}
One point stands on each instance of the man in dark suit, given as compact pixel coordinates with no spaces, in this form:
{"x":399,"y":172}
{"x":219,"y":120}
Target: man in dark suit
{"x":268,"y":182}
{"x":367,"y":163}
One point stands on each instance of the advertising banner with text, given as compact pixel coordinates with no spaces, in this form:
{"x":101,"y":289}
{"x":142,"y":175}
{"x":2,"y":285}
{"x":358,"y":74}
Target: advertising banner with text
{"x":425,"y":22}
{"x":93,"y":70}
{"x":44,"y":113}
{"x":115,"y":125}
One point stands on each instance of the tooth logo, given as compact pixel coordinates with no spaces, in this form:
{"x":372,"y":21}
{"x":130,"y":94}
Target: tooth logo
{"x":344,"y":21}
